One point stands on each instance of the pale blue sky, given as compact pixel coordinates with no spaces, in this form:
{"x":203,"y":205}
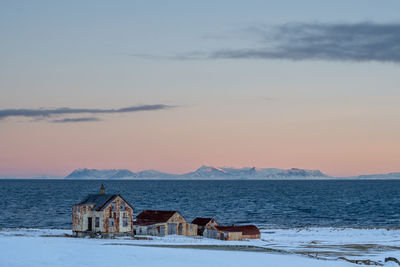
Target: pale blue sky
{"x":78,"y":48}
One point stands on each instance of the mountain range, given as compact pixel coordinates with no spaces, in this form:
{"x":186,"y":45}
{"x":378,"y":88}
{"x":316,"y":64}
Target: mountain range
{"x":204,"y":172}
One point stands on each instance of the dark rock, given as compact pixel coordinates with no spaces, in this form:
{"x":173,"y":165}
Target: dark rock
{"x":392,"y":259}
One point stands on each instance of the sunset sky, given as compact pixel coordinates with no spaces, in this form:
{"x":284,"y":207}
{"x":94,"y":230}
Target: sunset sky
{"x":173,"y":85}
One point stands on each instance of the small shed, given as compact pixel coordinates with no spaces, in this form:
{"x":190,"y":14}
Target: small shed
{"x":163,"y":222}
{"x":238,"y":232}
{"x":108,"y":214}
{"x":203,"y":223}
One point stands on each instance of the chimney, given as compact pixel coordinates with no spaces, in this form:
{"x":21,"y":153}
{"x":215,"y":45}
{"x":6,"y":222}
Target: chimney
{"x":102,"y":189}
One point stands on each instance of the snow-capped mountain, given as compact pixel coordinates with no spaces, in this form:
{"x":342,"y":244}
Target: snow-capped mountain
{"x":119,"y":174}
{"x":204,"y":172}
{"x":391,"y":175}
{"x":91,"y":174}
{"x":294,"y":172}
{"x":154,"y":174}
{"x":207,"y":172}
{"x":253,"y":173}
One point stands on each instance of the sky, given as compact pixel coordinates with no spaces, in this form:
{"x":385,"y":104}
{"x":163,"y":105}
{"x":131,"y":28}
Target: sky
{"x":173,"y":85}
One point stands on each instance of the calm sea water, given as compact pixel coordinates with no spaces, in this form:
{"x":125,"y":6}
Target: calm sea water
{"x":47,"y":203}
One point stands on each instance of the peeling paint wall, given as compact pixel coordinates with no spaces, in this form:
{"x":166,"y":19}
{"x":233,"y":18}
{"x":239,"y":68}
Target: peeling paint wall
{"x":177,"y":225}
{"x":211,"y":232}
{"x":232,"y":236}
{"x":182,"y":226}
{"x":80,"y":215}
{"x":115,"y":217}
{"x":114,"y":213}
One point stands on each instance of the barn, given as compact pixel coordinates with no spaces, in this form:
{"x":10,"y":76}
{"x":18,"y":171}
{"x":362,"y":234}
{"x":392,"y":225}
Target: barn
{"x":238,"y":232}
{"x":161,"y":223}
{"x":106,"y":214}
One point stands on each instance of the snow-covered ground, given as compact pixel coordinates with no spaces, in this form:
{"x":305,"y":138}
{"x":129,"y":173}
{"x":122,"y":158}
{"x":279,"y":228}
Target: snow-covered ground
{"x":332,"y":243}
{"x":277,"y":247}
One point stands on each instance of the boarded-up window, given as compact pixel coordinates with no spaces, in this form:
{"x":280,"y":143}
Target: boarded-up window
{"x":211,"y":233}
{"x":97,"y":222}
{"x":124,"y":222}
{"x":172,"y":228}
{"x":162,"y":230}
{"x":111,"y":222}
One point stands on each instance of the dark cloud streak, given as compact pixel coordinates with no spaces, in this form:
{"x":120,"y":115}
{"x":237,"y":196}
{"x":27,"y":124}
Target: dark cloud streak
{"x":43,"y":113}
{"x":359,"y":42}
{"x":68,"y":120}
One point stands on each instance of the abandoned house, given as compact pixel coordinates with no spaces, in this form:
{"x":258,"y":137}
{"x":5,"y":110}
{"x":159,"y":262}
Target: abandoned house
{"x":108,"y":214}
{"x":161,"y":223}
{"x":232,"y":233}
{"x":203,"y":223}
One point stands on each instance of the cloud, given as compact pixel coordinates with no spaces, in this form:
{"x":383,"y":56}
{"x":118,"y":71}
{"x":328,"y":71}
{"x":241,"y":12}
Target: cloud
{"x":67,"y":120}
{"x":43,"y":113}
{"x":359,"y":42}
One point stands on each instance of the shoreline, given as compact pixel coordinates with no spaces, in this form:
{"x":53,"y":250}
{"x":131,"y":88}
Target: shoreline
{"x":318,"y":244}
{"x":264,"y":229}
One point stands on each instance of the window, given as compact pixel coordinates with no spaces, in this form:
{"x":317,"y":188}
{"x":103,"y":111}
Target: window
{"x":122,"y":206}
{"x":114,"y":206}
{"x":97,"y":222}
{"x":124,"y":222}
{"x":110,"y":222}
{"x":79,"y":208}
{"x":191,"y":228}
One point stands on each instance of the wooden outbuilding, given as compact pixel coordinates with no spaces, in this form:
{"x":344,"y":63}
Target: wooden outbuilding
{"x":234,"y":232}
{"x":163,"y":222}
{"x":106,"y":214}
{"x":203,"y":223}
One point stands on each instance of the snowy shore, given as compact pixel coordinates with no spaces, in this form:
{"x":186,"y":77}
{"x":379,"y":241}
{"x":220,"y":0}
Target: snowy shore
{"x":277,"y":247}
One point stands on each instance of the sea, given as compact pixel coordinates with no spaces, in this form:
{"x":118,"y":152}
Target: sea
{"x":267,"y":204}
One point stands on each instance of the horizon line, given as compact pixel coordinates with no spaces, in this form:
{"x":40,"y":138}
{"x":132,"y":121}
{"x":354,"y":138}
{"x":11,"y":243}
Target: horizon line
{"x":54,"y":176}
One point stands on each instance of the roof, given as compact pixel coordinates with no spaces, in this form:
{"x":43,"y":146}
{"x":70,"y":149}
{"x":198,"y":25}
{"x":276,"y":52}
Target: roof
{"x":154,"y":216}
{"x":142,"y":223}
{"x":100,"y":201}
{"x":201,"y":221}
{"x":245,"y":229}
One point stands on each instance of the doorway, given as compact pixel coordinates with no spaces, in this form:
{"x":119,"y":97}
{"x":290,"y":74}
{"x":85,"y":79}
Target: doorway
{"x":89,"y":224}
{"x":180,"y":229}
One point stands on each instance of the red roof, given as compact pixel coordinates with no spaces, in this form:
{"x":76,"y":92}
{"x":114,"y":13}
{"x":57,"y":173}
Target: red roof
{"x":154,"y":216}
{"x":142,"y":223}
{"x":201,"y":221}
{"x":245,"y":229}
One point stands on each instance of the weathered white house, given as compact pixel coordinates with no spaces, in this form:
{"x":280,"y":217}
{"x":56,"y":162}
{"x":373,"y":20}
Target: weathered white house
{"x":108,"y":214}
{"x":161,"y":223}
